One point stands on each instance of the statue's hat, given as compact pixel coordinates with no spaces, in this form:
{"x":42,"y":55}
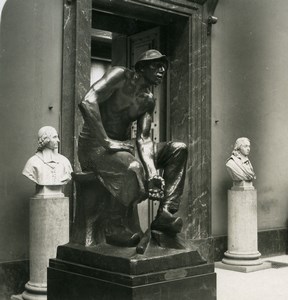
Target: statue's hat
{"x":150,"y":55}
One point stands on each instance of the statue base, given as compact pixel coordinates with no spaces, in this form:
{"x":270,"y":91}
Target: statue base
{"x":109,"y":272}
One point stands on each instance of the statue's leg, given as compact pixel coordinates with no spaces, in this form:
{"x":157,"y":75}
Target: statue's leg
{"x":118,"y":231}
{"x":172,"y":158}
{"x":120,"y":172}
{"x":127,"y":189}
{"x":123,"y":176}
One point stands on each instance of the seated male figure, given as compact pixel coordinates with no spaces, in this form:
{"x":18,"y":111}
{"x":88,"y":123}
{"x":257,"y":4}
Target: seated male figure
{"x":109,"y":108}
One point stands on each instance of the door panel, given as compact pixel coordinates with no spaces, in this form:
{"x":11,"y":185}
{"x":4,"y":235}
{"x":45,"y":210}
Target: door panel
{"x":119,"y":50}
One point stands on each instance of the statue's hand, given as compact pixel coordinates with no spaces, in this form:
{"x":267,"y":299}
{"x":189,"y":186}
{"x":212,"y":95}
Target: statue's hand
{"x":115,"y":146}
{"x":156,"y":186}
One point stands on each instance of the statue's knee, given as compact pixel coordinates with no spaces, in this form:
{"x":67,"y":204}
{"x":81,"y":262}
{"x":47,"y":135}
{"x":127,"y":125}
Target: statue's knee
{"x":181,"y":148}
{"x":136,"y":167}
{"x":136,"y":180}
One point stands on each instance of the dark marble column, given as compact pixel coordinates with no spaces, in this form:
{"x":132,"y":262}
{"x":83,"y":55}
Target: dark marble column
{"x":76,"y":71}
{"x":75,"y":77}
{"x":68,"y":80}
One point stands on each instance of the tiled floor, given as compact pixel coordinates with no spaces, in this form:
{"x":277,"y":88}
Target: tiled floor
{"x":269,"y":284}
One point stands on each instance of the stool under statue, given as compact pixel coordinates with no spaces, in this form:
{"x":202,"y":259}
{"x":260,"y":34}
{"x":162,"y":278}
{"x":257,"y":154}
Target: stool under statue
{"x":242,"y":254}
{"x":49,"y":210}
{"x":109,"y":257}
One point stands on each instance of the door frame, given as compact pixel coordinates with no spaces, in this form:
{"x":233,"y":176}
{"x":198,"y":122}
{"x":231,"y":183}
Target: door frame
{"x":190,"y":86}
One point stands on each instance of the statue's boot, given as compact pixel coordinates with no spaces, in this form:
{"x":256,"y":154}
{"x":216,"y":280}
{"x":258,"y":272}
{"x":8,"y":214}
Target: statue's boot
{"x":166,"y":222}
{"x":118,"y":233}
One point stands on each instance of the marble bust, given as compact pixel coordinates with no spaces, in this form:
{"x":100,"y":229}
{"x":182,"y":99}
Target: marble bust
{"x":47,"y":167}
{"x":238,"y":165}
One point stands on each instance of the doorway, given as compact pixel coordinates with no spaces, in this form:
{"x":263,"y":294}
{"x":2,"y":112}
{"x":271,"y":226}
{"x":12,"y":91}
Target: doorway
{"x":186,"y":110}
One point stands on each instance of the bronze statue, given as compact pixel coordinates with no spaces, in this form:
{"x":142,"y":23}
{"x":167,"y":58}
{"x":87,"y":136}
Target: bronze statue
{"x":105,"y":147}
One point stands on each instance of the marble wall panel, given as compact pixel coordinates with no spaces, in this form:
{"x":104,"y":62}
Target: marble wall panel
{"x":190,"y":119}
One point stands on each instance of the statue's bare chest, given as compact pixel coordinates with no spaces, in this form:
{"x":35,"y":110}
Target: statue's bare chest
{"x":132,"y":105}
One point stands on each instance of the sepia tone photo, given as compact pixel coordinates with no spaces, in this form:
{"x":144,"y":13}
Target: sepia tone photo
{"x":144,"y":149}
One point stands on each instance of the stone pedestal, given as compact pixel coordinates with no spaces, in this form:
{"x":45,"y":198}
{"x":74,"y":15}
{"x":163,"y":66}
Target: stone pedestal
{"x":49,"y":227}
{"x":242,"y":226}
{"x":109,"y":272}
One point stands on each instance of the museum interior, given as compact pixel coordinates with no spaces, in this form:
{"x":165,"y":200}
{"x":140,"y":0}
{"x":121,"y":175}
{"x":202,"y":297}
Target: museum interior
{"x":226,"y":79}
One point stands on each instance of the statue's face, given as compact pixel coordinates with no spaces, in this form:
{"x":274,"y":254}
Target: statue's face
{"x":154,"y":72}
{"x":245,"y":148}
{"x":53,"y":140}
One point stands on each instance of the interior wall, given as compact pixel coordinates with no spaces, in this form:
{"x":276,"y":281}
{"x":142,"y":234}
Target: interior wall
{"x":249,"y":98}
{"x":30,"y":83}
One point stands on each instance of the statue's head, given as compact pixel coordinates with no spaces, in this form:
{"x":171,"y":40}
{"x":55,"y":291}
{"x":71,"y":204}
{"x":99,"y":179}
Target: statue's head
{"x":47,"y":138}
{"x":242,"y":146}
{"x":152,"y":65}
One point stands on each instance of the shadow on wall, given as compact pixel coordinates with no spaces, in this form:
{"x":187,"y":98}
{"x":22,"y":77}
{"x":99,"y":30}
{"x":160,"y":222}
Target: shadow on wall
{"x":13,"y":277}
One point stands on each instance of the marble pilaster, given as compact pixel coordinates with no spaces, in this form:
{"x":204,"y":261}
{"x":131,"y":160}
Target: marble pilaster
{"x":190,"y":118}
{"x":76,"y":71}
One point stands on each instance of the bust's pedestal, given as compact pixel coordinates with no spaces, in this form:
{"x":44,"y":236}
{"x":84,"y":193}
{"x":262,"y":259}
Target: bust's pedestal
{"x":109,"y":272}
{"x":242,"y":254}
{"x":49,"y":227}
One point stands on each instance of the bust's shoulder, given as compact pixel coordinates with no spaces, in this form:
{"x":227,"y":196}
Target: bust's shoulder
{"x":231,"y":160}
{"x":36,"y":158}
{"x":33,"y":163}
{"x":64,"y":160}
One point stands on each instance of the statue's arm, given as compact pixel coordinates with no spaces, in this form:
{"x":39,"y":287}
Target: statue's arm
{"x":89,"y":107}
{"x":145,"y":144}
{"x":145,"y":147}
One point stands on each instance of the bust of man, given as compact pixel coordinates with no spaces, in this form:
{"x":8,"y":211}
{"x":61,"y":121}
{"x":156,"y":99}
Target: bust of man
{"x":238,"y":165}
{"x":47,"y":167}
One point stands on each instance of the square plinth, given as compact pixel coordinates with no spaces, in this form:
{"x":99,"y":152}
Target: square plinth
{"x":244,"y":269}
{"x":107,"y":272}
